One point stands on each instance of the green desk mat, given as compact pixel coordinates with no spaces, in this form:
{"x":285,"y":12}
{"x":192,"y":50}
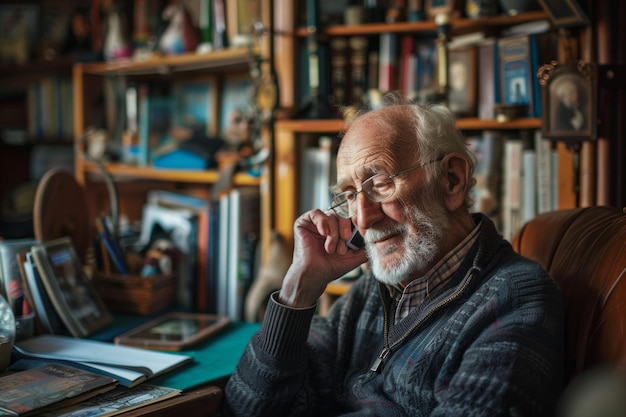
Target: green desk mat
{"x":213,"y":359}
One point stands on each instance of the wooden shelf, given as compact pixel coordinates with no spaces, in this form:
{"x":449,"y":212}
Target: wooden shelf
{"x":164,"y":65}
{"x":457,"y":26}
{"x":481,"y":124}
{"x":174,"y":175}
{"x":332,"y":125}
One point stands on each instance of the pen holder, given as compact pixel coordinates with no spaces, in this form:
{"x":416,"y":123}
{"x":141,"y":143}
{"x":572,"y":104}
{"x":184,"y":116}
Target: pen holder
{"x":136,"y":294}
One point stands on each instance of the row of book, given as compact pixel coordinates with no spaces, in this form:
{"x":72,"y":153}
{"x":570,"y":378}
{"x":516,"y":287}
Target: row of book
{"x":50,"y":108}
{"x":482,"y":71}
{"x":173,"y":128}
{"x":48,"y":289}
{"x":516,"y":177}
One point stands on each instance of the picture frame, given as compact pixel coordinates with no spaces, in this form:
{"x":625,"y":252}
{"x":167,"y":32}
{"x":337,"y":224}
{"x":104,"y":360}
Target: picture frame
{"x":20,"y":23}
{"x":562,"y":85}
{"x":434,"y":7}
{"x":242,"y":16}
{"x":174,"y":331}
{"x":462,"y":89}
{"x":72,"y":294}
{"x":564,"y":13}
{"x":196,"y":106}
{"x":234,"y":99}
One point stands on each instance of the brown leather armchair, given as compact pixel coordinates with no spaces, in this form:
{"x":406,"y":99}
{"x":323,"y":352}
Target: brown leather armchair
{"x":584,"y":250}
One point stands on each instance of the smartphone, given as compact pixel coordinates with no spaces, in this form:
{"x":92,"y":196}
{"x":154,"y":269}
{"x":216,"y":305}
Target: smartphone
{"x":356,"y":241}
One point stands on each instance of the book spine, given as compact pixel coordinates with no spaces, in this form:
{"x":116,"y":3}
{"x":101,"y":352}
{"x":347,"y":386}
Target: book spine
{"x":515,"y":71}
{"x":407,"y":66}
{"x":388,"y":63}
{"x":339,"y":71}
{"x":486,"y":78}
{"x":512,"y":192}
{"x":543,"y":148}
{"x":358,"y":69}
{"x":529,"y":188}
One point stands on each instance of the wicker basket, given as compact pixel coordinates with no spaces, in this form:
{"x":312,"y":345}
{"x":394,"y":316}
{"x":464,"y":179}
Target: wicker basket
{"x":136,"y":294}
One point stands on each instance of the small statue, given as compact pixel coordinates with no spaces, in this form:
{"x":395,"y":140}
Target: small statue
{"x":180,"y":35}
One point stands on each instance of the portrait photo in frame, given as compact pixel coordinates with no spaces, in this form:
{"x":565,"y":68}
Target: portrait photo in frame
{"x":242,"y":20}
{"x":568,"y":93}
{"x":462,"y":81}
{"x":564,"y":13}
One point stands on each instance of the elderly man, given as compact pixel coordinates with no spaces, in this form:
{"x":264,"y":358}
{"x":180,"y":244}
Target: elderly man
{"x":447,"y":321}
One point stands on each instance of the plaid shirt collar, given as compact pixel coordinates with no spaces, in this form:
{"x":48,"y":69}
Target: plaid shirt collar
{"x":414,"y":294}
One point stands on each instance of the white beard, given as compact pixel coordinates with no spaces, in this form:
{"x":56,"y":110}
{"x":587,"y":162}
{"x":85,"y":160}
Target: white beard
{"x":419,"y":250}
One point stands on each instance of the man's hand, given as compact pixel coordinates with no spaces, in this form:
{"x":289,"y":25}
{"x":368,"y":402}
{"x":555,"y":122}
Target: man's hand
{"x":320,"y":256}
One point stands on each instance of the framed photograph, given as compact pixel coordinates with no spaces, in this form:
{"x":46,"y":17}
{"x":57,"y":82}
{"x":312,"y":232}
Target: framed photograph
{"x":564,"y":13}
{"x":81,"y":309}
{"x":434,"y":7}
{"x":174,"y":331}
{"x":19,"y":23}
{"x":569,"y":101}
{"x":462,"y":81}
{"x":242,"y":17}
{"x":235,"y":109}
{"x":195,"y":107}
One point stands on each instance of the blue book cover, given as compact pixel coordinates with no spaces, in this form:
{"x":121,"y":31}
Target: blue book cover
{"x":536,"y":91}
{"x":194,"y":106}
{"x":154,"y":124}
{"x":515,"y":71}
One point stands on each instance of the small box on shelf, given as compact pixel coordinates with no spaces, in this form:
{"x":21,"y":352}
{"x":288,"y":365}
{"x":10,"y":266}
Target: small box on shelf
{"x":136,"y":294}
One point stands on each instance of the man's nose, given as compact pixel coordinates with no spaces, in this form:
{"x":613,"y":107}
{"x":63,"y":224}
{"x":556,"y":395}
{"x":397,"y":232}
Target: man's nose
{"x":368,"y":212}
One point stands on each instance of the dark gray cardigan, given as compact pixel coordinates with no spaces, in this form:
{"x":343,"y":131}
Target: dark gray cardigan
{"x":490,"y":343}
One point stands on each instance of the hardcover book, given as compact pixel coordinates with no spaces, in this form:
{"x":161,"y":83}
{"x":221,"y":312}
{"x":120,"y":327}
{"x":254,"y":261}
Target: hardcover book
{"x":44,"y":309}
{"x":48,"y":387}
{"x":516,"y":77}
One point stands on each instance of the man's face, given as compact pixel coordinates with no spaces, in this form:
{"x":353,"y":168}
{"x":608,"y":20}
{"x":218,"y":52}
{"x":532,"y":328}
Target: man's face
{"x":404,"y":233}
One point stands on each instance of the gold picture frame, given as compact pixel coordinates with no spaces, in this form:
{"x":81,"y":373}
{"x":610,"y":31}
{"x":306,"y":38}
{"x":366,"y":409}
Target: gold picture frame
{"x":568,"y":93}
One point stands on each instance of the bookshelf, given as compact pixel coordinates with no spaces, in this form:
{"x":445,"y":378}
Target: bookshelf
{"x":293,"y":134}
{"x":93,"y":82}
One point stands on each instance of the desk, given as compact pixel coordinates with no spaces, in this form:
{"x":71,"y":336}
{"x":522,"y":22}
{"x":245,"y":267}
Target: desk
{"x":213,"y":361}
{"x":201,"y":380}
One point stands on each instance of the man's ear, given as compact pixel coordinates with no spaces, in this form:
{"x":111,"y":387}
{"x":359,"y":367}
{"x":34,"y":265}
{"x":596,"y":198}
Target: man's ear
{"x":456,"y":179}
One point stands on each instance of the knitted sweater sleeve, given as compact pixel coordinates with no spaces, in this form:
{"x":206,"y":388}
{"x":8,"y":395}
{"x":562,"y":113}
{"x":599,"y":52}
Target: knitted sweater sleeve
{"x":287,"y":368}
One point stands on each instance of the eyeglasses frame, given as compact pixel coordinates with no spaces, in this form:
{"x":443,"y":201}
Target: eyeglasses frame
{"x":392,"y":177}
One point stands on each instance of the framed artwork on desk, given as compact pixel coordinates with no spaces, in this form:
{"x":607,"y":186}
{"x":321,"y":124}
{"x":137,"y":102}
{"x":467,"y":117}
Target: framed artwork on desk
{"x":568,"y":95}
{"x":72,"y":294}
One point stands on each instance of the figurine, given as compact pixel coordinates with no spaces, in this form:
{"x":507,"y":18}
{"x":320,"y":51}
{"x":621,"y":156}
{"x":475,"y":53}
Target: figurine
{"x":180,"y":35}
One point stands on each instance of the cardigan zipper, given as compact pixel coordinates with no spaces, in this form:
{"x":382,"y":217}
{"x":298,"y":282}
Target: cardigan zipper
{"x":377,"y":366}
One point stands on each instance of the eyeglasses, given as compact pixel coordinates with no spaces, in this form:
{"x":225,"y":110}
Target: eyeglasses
{"x":376,"y":188}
